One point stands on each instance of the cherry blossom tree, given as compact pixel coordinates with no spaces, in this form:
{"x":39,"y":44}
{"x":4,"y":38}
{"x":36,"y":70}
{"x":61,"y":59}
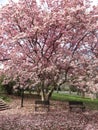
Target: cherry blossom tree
{"x":46,"y":45}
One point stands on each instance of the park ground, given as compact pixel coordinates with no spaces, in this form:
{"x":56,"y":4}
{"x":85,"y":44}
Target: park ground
{"x":58,"y":118}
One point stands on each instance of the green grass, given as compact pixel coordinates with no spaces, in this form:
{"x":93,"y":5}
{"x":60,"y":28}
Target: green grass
{"x":90,"y":104}
{"x":68,"y":97}
{"x":5,"y":98}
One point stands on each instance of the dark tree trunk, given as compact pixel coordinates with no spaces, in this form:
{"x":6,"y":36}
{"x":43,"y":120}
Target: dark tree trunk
{"x":22,"y":97}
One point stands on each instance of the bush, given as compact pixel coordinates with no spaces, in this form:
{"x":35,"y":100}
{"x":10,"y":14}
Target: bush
{"x":8,"y":88}
{"x":73,"y":88}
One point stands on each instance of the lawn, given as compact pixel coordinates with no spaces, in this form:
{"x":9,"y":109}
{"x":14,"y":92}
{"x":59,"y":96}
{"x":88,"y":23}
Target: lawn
{"x":63,"y":97}
{"x":90,"y":104}
{"x":4,"y":97}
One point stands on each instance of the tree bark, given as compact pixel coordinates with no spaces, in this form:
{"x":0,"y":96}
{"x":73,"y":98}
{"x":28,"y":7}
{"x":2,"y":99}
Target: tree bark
{"x":22,"y":97}
{"x":46,"y":96}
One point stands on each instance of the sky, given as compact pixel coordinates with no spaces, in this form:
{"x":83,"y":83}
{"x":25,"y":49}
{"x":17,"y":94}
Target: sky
{"x":3,"y":2}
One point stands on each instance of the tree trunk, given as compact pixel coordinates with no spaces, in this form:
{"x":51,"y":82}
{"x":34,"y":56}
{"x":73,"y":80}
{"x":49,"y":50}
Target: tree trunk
{"x":22,"y":97}
{"x":83,"y":94}
{"x":46,"y":96}
{"x":43,"y":96}
{"x":78,"y":92}
{"x":69,"y":90}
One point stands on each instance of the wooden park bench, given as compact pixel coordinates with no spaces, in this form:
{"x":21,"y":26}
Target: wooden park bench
{"x":42,"y":104}
{"x":76,"y":104}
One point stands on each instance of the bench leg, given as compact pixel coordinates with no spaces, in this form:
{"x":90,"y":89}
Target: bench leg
{"x":70,"y":109}
{"x":48,"y":108}
{"x":83,"y":109}
{"x":35,"y":108}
